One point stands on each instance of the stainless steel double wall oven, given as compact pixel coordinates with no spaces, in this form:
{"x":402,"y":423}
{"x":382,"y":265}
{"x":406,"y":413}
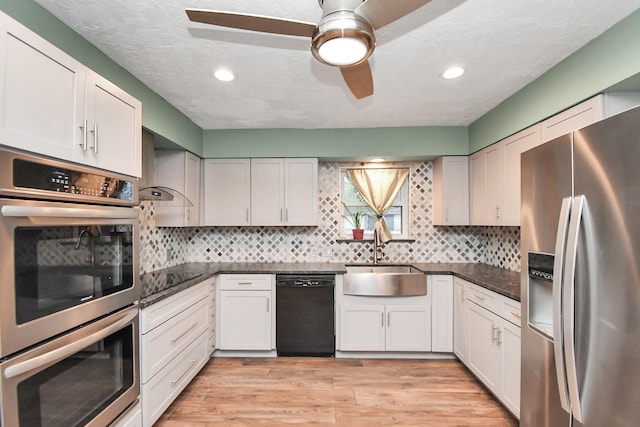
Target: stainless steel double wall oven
{"x":68,"y":293}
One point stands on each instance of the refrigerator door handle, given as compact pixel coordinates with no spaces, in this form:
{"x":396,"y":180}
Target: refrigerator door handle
{"x":568,"y":303}
{"x":558,"y":264}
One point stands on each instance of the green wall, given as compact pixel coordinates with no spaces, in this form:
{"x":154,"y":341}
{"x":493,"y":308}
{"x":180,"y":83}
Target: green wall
{"x":410,"y":143}
{"x":605,"y":61}
{"x":158,"y":116}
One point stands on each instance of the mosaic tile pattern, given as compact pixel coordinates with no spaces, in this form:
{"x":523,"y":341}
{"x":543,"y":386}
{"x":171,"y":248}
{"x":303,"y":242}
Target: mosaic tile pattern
{"x":165,"y":247}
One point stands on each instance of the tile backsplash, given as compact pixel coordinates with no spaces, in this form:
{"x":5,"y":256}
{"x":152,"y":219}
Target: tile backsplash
{"x":164,"y":246}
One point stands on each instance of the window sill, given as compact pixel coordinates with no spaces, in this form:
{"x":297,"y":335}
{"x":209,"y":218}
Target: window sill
{"x":371,"y":241}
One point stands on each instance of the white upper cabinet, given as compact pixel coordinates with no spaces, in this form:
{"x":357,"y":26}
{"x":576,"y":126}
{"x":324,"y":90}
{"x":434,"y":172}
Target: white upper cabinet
{"x":179,"y":170}
{"x":478,"y":188}
{"x":267,"y":191}
{"x":51,"y":104}
{"x":588,"y":112}
{"x":227,"y":192}
{"x":114,"y":127}
{"x":579,"y":116}
{"x":284,"y":191}
{"x":451,"y":190}
{"x":261,"y":192}
{"x":301,"y":191}
{"x":495,"y":179}
{"x":512,"y":148}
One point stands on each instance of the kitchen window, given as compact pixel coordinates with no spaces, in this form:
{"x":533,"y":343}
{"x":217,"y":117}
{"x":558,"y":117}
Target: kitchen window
{"x":397,"y":216}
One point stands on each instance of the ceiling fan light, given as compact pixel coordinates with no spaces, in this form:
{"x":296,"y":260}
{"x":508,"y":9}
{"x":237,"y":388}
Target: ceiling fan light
{"x":342,"y":51}
{"x":342,"y":39}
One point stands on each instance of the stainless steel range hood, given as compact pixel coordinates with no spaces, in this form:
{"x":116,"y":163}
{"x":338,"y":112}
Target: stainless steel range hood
{"x":164,"y":196}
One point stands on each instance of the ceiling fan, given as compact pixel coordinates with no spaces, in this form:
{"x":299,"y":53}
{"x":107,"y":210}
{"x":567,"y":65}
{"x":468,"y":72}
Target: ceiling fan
{"x":343,"y":38}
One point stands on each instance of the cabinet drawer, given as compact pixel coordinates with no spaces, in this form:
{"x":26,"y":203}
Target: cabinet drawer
{"x":245,"y":282}
{"x":483,"y":297}
{"x":164,"y":342}
{"x":153,"y":316}
{"x":158,"y":394}
{"x":511,"y":311}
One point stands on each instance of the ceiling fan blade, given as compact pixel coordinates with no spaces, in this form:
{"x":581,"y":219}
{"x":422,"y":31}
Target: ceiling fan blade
{"x":382,"y":12}
{"x":358,"y":78}
{"x":245,"y":21}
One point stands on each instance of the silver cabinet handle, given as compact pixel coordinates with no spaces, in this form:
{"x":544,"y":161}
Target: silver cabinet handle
{"x":193,"y":361}
{"x":95,"y":138}
{"x":518,"y":315}
{"x":245,"y":283}
{"x":446,"y":214}
{"x":499,"y":336}
{"x":281,"y":215}
{"x":493,"y":332}
{"x":268,"y":308}
{"x":568,"y":303}
{"x":193,"y":325}
{"x":558,"y":264}
{"x":83,"y":126}
{"x":247,"y":215}
{"x":286,"y":215}
{"x":382,"y":320}
{"x":389,"y":319}
{"x":481,"y":298}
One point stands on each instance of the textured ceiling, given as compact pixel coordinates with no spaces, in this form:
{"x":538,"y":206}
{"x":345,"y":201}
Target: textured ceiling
{"x":502,"y":44}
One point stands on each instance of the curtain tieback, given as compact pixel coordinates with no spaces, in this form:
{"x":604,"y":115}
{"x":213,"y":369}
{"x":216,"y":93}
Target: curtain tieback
{"x":379,"y":216}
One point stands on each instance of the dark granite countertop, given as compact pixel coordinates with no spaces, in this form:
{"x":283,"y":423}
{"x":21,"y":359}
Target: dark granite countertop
{"x":499,"y":280}
{"x":161,"y":284}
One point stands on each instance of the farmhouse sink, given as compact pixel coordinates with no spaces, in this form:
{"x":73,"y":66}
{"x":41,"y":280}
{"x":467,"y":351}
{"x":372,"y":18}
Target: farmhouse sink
{"x":384,"y":280}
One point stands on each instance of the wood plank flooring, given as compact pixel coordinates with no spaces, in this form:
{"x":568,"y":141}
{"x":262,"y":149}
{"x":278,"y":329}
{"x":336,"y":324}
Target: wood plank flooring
{"x":335,"y":392}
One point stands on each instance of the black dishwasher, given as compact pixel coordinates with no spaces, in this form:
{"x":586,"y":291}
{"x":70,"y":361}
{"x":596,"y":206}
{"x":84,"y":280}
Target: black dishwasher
{"x":305,"y":323}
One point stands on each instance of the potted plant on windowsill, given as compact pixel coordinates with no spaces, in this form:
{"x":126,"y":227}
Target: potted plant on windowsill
{"x":355,"y":219}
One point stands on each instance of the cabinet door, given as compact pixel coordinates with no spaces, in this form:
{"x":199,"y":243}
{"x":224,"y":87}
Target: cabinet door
{"x":493,"y":193}
{"x":451,"y":191}
{"x":442,"y":313}
{"x":267,"y":191}
{"x":362,"y":328}
{"x":192,"y":176}
{"x":478,"y":188}
{"x":510,"y":342}
{"x":179,"y":170}
{"x":485,"y":355}
{"x":301,"y":191}
{"x":579,"y":116}
{"x":514,"y":146}
{"x":227,"y":191}
{"x":245,"y":320}
{"x":42,"y":92}
{"x":115,"y":127}
{"x":460,"y":320}
{"x":408,"y":328}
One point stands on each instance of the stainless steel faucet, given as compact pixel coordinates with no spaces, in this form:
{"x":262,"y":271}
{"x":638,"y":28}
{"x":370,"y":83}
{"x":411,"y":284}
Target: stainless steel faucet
{"x":377,"y":248}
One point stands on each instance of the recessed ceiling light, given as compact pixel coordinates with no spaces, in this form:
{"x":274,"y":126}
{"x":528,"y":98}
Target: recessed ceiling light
{"x":224,"y":75}
{"x":377,"y":160}
{"x":453,"y":73}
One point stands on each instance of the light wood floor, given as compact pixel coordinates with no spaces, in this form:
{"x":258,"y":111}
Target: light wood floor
{"x":335,"y":392}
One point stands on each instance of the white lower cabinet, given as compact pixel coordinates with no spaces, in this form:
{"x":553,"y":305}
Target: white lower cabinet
{"x":246,"y":314}
{"x":487,"y":340}
{"x":460,"y":320}
{"x":174,"y":346}
{"x":441,"y":287}
{"x":385,"y":327}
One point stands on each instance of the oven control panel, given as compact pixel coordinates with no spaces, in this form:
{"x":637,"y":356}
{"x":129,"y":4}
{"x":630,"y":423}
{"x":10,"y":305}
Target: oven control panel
{"x":37,"y":176}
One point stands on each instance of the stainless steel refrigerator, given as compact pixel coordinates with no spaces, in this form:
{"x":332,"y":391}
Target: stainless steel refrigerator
{"x":580,"y":223}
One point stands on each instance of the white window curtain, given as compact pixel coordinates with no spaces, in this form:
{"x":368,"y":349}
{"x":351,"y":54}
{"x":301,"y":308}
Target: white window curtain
{"x":379,"y":188}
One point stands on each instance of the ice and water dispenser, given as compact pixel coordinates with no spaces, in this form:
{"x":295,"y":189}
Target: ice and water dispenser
{"x":540,"y":292}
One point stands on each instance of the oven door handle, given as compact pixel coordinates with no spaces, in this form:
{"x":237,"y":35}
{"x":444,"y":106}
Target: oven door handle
{"x":56,"y":212}
{"x":63,"y":352}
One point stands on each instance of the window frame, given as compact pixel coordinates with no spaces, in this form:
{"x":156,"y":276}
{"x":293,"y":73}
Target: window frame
{"x":405,"y":191}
